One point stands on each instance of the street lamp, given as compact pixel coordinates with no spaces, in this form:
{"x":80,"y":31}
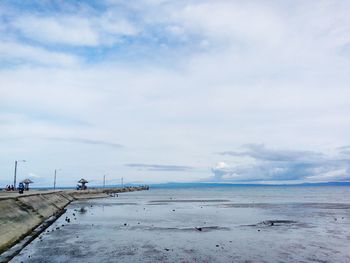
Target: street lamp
{"x":54,"y":180}
{"x":15,"y":176}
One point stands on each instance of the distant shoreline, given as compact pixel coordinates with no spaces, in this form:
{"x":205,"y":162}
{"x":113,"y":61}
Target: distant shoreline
{"x":203,"y":185}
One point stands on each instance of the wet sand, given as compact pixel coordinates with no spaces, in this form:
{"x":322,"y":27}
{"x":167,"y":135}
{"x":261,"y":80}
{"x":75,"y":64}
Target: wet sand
{"x":186,"y":225}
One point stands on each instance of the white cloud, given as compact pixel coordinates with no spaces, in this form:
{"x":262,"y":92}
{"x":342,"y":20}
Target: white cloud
{"x":112,"y":24}
{"x":18,"y":53}
{"x":33,"y":175}
{"x":238,"y":23}
{"x":220,"y":170}
{"x":282,"y":166}
{"x":58,"y":30}
{"x":331,"y":176}
{"x":74,"y":30}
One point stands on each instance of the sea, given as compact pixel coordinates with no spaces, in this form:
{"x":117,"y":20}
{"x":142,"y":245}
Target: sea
{"x":202,"y":224}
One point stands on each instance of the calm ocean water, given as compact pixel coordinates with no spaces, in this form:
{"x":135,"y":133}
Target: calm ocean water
{"x":230,"y":224}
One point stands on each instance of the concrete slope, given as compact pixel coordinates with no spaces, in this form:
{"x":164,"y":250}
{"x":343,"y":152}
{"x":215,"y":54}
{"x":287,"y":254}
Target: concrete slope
{"x":20,"y":214}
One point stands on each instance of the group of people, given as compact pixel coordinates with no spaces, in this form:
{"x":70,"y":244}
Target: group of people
{"x":81,"y":187}
{"x":20,"y":188}
{"x":10,"y":188}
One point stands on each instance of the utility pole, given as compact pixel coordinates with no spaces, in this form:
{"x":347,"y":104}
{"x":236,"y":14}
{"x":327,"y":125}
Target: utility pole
{"x":54,"y":179}
{"x":14,"y":179}
{"x":15,"y":175}
{"x":104,"y":181}
{"x":122,"y":182}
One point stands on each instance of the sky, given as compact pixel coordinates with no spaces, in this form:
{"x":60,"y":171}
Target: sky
{"x":159,"y":91}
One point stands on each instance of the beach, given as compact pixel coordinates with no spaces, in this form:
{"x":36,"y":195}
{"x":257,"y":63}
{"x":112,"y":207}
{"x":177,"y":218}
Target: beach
{"x":234,"y":224}
{"x":24,"y":216}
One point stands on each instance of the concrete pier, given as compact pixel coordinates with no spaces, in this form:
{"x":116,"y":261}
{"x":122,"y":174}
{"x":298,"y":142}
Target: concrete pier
{"x":21,"y":214}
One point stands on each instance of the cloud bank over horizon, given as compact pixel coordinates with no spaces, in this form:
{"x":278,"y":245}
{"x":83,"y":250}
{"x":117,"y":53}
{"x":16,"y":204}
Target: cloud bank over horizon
{"x":152,"y":91}
{"x":263,"y":164}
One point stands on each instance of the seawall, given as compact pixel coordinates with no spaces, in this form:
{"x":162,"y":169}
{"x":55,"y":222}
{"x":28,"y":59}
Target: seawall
{"x":21,"y":214}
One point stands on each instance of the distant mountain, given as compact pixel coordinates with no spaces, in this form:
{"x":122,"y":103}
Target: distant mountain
{"x":198,"y":185}
{"x":206,"y":185}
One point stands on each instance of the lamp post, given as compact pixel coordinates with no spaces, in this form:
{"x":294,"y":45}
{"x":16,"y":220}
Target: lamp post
{"x":54,"y":180}
{"x":104,"y":181}
{"x":15,"y":175}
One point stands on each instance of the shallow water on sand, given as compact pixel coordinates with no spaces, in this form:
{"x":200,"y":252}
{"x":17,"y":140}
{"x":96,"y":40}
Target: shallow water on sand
{"x":231,"y":224}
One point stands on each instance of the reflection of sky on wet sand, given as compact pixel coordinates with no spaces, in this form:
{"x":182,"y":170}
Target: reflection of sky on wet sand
{"x":204,"y":225}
